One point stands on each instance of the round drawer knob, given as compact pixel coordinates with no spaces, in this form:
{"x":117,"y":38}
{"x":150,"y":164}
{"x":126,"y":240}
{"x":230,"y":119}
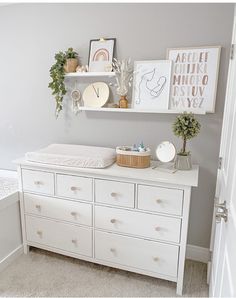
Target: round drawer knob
{"x":74,"y":188}
{"x":38,"y":207}
{"x":158,"y":201}
{"x":74,"y":241}
{"x":113,"y":220}
{"x":40,"y":233}
{"x":38,"y":182}
{"x":155,"y":259}
{"x":73,"y":213}
{"x":112,"y":250}
{"x":157,"y":229}
{"x":113,"y":194}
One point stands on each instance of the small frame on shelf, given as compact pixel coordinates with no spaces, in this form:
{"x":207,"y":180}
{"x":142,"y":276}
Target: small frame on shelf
{"x":101,"y":54}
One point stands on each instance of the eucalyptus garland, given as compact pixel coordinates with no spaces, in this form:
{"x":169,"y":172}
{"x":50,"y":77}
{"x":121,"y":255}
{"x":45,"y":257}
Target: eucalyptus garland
{"x":186,"y":126}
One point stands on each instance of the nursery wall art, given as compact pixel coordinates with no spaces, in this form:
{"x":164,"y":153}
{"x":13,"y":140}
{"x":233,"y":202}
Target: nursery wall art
{"x":194,"y":77}
{"x":101,"y":54}
{"x":151,"y":85}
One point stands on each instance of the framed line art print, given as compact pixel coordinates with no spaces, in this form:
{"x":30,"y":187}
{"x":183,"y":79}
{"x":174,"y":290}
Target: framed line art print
{"x":101,"y":53}
{"x":151,"y":84}
{"x":194,"y":77}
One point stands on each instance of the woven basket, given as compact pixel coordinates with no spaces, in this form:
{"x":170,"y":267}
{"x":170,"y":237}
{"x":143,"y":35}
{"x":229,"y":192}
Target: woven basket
{"x":71,"y":65}
{"x":133,"y":159}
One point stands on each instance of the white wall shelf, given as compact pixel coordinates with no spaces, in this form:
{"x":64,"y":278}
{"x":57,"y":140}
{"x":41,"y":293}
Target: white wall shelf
{"x":130,"y":110}
{"x":118,"y":110}
{"x":89,"y":74}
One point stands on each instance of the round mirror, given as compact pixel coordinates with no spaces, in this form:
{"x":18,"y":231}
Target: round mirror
{"x":165,"y":151}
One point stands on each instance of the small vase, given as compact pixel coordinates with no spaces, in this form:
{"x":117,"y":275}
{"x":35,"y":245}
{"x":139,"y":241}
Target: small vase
{"x":71,"y":65}
{"x":183,"y":162}
{"x":123,"y":102}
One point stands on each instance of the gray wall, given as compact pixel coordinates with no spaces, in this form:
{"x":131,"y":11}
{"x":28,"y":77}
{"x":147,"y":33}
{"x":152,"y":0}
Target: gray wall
{"x":31,"y":34}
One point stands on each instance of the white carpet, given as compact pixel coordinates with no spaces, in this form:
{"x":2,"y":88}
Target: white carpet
{"x":44,"y":274}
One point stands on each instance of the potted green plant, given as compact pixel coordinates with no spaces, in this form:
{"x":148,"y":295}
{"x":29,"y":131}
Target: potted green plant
{"x":186,"y":126}
{"x":57,"y":74}
{"x":71,"y":60}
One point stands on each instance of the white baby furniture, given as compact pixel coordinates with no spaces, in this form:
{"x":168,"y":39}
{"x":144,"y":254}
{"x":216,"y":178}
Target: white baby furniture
{"x":132,"y":219}
{"x":10,"y":227}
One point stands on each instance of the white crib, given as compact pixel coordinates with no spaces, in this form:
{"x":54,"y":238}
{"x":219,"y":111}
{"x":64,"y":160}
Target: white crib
{"x":10,"y":228}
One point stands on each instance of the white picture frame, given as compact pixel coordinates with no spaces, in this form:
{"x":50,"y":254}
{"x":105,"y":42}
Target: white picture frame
{"x":101,"y":53}
{"x":151,"y":84}
{"x":194,"y":77}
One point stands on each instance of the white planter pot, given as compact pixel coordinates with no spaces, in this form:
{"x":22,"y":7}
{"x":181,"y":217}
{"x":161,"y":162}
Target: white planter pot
{"x":183,"y":162}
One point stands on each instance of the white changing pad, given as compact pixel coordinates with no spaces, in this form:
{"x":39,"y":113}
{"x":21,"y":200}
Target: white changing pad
{"x":74,"y":156}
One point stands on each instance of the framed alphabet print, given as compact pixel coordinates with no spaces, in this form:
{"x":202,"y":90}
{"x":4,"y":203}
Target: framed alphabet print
{"x":194,"y":77}
{"x":151,"y":84}
{"x":101,"y":52}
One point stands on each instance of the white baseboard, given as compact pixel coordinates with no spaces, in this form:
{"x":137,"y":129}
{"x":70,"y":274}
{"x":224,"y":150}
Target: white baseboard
{"x":209,"y":266}
{"x":11,"y":257}
{"x":198,"y":253}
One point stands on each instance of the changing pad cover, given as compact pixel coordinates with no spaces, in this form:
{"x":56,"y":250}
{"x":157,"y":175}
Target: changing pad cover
{"x":74,"y":156}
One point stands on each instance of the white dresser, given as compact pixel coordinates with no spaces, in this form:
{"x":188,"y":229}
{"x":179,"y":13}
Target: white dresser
{"x":132,"y":219}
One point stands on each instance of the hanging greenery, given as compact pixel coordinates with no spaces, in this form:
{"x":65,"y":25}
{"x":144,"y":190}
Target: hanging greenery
{"x":186,"y":126}
{"x":57,"y":74}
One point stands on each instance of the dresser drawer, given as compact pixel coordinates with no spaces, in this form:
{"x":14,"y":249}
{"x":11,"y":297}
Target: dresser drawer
{"x":75,"y":212}
{"x":142,"y":254}
{"x":160,"y":199}
{"x":114,"y":193}
{"x":37,"y":181}
{"x":59,"y":235}
{"x":138,"y":223}
{"x":74,"y":187}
